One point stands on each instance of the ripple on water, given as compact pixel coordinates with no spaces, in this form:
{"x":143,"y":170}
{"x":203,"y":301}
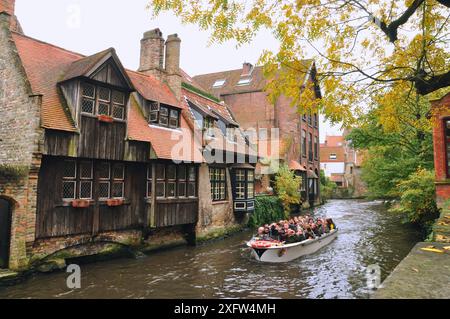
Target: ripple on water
{"x":224,"y":269}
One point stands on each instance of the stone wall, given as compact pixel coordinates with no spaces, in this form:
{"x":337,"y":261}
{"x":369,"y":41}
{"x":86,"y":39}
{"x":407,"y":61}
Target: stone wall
{"x":215,"y":216}
{"x":20,"y":140}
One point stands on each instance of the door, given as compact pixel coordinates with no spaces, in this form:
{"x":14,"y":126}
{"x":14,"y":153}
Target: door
{"x":5,"y":232}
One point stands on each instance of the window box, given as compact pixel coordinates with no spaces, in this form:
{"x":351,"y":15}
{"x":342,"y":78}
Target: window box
{"x":80,"y":203}
{"x":114,"y":202}
{"x":105,"y":118}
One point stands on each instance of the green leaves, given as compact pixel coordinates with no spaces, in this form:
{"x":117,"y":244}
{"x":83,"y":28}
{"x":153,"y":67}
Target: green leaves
{"x":287,"y":186}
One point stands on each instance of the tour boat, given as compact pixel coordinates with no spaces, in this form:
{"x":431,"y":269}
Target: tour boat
{"x":276,"y":252}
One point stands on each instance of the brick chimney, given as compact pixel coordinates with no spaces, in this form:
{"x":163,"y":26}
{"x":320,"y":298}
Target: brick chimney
{"x":8,"y":6}
{"x":173,"y":74}
{"x":152,"y":53}
{"x":247,"y":69}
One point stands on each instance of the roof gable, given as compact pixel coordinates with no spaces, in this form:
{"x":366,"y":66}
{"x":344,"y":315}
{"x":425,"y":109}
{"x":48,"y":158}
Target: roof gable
{"x":104,"y":66}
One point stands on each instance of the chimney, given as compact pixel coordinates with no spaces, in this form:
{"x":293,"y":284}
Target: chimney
{"x":173,"y":75}
{"x":152,"y":53}
{"x":8,"y":6}
{"x":247,"y":69}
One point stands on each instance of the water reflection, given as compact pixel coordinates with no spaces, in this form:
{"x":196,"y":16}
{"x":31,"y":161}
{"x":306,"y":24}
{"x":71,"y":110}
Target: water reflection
{"x":368,"y":235}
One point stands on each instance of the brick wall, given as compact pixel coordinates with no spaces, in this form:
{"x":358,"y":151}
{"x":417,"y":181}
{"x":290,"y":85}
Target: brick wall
{"x":441,"y":110}
{"x":20,"y":137}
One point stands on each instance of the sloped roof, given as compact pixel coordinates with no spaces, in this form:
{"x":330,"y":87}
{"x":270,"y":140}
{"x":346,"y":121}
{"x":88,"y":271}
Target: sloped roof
{"x":45,"y":65}
{"x":296,"y":166}
{"x":232,"y":78}
{"x":164,"y":142}
{"x":152,"y":89}
{"x":334,"y":141}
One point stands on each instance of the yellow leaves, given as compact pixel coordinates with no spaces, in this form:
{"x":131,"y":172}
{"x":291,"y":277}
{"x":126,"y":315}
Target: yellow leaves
{"x":341,"y":40}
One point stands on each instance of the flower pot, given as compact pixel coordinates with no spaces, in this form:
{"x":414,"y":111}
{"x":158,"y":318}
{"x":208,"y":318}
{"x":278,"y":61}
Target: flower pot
{"x":80,"y":203}
{"x":114,"y":202}
{"x":105,"y":118}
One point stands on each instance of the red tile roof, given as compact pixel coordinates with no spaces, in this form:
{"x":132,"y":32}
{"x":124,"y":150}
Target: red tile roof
{"x":45,"y":65}
{"x":164,"y":141}
{"x":232,"y":78}
{"x":152,"y":89}
{"x":335,"y":141}
{"x":296,"y":166}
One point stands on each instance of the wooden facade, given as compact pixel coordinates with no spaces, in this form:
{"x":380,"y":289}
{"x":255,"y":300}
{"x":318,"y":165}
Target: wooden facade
{"x":99,"y":143}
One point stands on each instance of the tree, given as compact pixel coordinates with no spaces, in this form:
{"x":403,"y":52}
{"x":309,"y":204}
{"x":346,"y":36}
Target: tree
{"x":397,"y":136}
{"x":363,"y":47}
{"x":287,"y":186}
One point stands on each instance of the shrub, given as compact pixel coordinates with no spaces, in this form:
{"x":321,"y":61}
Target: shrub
{"x":268,"y":209}
{"x":287,"y":187}
{"x":417,"y":199}
{"x":327,"y":187}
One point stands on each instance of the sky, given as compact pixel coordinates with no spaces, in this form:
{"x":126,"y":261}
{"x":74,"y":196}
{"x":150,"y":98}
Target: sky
{"x":90,"y":26}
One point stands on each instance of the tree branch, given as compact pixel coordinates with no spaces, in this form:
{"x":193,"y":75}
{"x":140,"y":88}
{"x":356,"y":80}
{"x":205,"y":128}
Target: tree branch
{"x":427,"y":85}
{"x":391,"y":30}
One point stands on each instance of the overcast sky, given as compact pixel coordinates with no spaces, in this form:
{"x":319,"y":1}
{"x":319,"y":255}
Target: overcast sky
{"x":89,"y":26}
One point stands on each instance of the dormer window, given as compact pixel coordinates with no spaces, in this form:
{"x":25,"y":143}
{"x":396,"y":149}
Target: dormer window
{"x":99,"y":100}
{"x":208,"y":126}
{"x":245,"y":81}
{"x":219,"y":83}
{"x":164,"y":116}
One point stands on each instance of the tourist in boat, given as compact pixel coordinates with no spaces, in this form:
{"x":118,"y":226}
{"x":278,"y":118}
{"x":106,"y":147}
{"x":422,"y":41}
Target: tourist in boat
{"x":296,"y":229}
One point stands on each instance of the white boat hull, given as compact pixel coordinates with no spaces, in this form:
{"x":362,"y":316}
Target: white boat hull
{"x":289,"y":252}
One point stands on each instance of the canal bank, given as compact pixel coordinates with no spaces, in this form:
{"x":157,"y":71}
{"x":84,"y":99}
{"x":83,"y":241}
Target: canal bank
{"x":368,"y":235}
{"x":423,"y":274}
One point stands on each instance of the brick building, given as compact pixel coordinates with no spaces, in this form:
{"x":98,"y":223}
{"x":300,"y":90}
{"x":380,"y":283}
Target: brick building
{"x":280,"y":133}
{"x":441,"y":142}
{"x":93,"y":154}
{"x":342,"y":164}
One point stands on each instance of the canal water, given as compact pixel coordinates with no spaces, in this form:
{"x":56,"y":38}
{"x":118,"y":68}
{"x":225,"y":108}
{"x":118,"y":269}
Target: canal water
{"x":369,"y":235}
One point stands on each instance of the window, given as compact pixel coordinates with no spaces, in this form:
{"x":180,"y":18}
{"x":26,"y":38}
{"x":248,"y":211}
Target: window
{"x":172,"y":181}
{"x":192,"y":181}
{"x":118,"y":181}
{"x":333,"y":156}
{"x":219,"y":83}
{"x":316,"y":147}
{"x":263,"y":134}
{"x":163,"y":115}
{"x":208,"y":126}
{"x":79,"y":181}
{"x":98,"y":100}
{"x":104,"y":176}
{"x":310,"y":148}
{"x":240,"y":184}
{"x":232,"y":134}
{"x":447,"y":144}
{"x":149,"y":181}
{"x":316,"y":120}
{"x":69,"y":179}
{"x":182,"y":179}
{"x":86,"y":180}
{"x":310,"y":119}
{"x":160,"y":180}
{"x":218,"y":180}
{"x":250,"y":184}
{"x":245,"y":81}
{"x":245,"y":184}
{"x":304,"y":143}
